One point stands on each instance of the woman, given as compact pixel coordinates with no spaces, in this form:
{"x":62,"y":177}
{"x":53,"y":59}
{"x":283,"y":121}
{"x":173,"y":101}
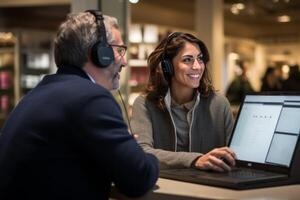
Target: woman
{"x":180,"y":118}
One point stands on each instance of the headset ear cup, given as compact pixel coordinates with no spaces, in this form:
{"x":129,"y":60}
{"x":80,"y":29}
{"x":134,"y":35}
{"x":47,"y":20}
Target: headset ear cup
{"x":102,"y":56}
{"x":167,"y":69}
{"x":105,"y":56}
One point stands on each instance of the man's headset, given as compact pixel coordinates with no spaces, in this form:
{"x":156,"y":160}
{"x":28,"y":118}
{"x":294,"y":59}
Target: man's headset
{"x":166,"y":63}
{"x":102,"y":52}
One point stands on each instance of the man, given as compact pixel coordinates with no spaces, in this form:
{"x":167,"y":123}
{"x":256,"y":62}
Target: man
{"x":240,"y":86}
{"x":66,"y":139}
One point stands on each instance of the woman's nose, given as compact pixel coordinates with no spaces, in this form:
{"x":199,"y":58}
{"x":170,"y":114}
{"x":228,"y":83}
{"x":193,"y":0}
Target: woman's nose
{"x":196,"y":64}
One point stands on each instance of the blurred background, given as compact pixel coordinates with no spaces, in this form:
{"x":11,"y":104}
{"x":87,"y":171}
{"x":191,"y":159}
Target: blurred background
{"x":254,"y":44}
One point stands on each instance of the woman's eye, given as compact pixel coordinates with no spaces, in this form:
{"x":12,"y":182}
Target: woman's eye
{"x":188,"y":60}
{"x":199,"y":59}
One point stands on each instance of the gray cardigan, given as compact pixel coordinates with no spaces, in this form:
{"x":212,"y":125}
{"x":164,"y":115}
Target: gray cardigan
{"x":211,"y":127}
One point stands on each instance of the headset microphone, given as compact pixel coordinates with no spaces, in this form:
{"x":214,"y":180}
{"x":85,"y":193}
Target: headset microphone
{"x":123,"y":103}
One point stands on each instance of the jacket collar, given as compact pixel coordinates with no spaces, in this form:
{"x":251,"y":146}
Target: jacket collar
{"x":72,"y":70}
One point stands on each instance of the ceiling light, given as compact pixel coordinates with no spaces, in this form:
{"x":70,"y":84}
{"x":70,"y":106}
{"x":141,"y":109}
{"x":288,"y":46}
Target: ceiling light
{"x":133,"y":1}
{"x":284,"y":18}
{"x":240,"y":6}
{"x":234,"y":10}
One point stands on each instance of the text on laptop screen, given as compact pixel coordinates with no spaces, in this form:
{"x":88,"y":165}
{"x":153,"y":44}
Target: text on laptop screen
{"x":267,"y":129}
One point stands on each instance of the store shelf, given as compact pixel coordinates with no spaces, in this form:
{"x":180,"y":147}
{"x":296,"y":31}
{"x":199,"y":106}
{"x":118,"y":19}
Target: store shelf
{"x":137,"y":63}
{"x":9,"y":74}
{"x":4,"y":49}
{"x":7,"y":68}
{"x":35,"y":63}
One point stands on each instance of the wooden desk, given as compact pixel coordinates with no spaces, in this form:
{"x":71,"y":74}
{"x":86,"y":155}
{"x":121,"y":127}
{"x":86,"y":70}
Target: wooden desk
{"x":176,"y":190}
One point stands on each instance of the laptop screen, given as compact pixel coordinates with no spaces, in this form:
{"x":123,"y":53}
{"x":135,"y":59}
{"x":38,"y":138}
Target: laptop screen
{"x":267,"y":129}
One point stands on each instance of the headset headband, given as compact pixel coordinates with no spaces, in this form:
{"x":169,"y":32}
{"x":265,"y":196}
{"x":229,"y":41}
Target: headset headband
{"x":169,"y":38}
{"x":100,"y":24}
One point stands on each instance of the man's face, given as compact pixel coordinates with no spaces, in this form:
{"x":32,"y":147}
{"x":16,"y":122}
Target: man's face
{"x":112,"y":72}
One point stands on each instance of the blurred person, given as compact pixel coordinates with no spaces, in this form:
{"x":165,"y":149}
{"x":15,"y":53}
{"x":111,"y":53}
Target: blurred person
{"x":293,"y":81}
{"x":66,"y":139}
{"x":240,"y":86}
{"x":180,"y":118}
{"x":271,"y":80}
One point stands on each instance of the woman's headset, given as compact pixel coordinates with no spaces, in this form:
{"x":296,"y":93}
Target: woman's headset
{"x":166,"y":63}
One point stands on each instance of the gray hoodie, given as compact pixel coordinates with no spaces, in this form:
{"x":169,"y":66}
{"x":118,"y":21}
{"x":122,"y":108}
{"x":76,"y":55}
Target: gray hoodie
{"x":212,"y":123}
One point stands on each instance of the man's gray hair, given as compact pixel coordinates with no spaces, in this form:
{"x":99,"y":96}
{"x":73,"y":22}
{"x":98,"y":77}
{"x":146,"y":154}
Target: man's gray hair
{"x":77,"y":35}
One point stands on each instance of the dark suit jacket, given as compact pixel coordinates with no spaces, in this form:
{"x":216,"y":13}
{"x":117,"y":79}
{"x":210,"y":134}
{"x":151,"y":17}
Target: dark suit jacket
{"x":66,"y":139}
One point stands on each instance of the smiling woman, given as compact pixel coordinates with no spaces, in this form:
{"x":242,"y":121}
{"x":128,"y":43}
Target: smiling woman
{"x":187,"y":72}
{"x":180,"y":118}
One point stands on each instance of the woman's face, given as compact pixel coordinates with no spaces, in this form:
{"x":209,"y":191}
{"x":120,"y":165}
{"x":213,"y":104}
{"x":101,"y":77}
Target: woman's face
{"x":188,"y":67}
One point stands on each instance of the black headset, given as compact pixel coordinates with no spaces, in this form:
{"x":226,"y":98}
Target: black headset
{"x":102,"y":52}
{"x":166,"y":63}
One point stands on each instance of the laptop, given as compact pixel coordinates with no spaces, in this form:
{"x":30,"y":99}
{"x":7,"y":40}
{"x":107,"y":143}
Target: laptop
{"x":264,"y":138}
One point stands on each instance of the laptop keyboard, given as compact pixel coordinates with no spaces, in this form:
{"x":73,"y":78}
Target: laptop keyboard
{"x":237,"y":178}
{"x":237,"y":173}
{"x":247,"y":173}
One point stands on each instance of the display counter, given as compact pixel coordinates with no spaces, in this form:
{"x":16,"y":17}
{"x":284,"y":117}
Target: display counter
{"x":166,"y":189}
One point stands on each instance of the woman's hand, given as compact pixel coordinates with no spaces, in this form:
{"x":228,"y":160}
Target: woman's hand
{"x":219,"y":159}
